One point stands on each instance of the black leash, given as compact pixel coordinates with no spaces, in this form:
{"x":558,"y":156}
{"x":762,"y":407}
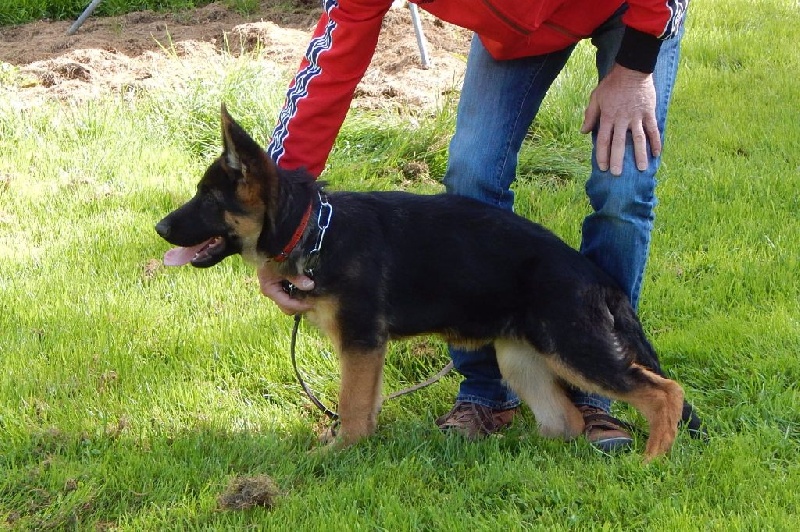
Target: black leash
{"x":330,"y":413}
{"x":327,"y":411}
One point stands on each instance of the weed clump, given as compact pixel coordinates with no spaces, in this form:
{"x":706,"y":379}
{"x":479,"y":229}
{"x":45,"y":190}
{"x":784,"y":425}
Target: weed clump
{"x":244,"y":493}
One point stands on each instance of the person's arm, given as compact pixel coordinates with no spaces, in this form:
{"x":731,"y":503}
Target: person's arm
{"x":625,"y":100}
{"x":316,"y":104}
{"x":320,"y":94}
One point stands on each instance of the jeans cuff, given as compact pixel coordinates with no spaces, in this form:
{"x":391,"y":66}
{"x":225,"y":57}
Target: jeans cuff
{"x":589,"y":399}
{"x":494,"y":405}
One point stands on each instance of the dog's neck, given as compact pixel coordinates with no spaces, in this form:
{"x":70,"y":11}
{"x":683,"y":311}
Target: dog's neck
{"x":286,"y":229}
{"x":296,"y":236}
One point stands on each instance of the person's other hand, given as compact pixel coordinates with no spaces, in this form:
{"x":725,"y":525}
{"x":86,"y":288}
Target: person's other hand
{"x":272,"y":286}
{"x":625,"y":100}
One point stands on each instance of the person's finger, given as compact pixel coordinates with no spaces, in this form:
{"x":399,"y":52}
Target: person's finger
{"x":653,"y":136}
{"x":617,"y":150}
{"x":302,"y":282}
{"x":590,"y":115}
{"x":271,"y":286}
{"x":640,"y":147}
{"x":287,"y":304}
{"x":603,"y":145}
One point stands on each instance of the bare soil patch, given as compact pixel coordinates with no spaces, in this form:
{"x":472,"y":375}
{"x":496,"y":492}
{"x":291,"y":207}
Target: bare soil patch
{"x":141,"y":49}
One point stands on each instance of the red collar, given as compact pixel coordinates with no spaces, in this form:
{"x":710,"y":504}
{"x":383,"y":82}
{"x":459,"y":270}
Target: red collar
{"x":298,"y":234}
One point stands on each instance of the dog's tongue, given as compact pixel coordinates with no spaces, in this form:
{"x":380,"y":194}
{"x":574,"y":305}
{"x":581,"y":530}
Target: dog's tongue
{"x":181,"y":256}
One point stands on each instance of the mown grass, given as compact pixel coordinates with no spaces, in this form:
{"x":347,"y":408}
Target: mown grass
{"x":131,"y":395}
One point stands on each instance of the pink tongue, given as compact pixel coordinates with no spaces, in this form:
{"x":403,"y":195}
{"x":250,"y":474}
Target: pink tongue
{"x":181,"y":256}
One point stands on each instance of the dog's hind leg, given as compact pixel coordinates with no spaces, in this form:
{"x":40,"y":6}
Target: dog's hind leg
{"x":660,"y":400}
{"x":359,"y":394}
{"x":645,"y":387}
{"x":526,"y":372}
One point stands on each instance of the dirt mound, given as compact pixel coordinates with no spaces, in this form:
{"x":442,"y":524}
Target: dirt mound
{"x":135,"y":33}
{"x":142,"y":49}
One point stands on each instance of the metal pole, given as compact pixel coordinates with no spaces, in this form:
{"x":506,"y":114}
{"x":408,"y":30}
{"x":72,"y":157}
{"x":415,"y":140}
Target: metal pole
{"x":86,"y":12}
{"x":422,"y":43}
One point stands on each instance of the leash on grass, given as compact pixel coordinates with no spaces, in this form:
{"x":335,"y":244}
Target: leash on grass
{"x":330,"y":413}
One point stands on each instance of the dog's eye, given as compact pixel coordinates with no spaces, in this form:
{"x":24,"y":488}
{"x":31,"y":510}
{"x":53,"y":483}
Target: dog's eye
{"x":210,"y":194}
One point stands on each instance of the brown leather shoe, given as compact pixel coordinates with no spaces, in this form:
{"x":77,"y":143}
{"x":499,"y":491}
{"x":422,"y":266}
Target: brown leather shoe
{"x":605,"y":432}
{"x":474,"y":421}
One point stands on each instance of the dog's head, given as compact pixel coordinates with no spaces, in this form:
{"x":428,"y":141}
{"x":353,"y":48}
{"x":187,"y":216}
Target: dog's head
{"x":227,"y":214}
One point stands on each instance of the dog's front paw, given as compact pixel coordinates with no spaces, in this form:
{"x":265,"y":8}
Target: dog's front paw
{"x":338,"y":436}
{"x":330,"y":435}
{"x":330,"y":439}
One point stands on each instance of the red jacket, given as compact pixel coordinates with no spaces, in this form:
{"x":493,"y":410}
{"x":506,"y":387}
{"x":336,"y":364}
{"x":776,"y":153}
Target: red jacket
{"x":344,"y":42}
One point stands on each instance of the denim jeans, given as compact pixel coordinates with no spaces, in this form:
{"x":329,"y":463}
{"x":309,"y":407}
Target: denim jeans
{"x":499,"y":101}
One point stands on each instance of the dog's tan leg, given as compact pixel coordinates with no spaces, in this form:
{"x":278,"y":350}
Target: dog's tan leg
{"x":660,"y":400}
{"x":360,"y":394}
{"x":525,"y":370}
{"x":361,"y":380}
{"x":661,"y":404}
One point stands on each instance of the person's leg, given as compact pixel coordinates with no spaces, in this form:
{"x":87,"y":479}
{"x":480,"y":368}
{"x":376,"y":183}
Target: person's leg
{"x":616,"y":235}
{"x":499,"y":100}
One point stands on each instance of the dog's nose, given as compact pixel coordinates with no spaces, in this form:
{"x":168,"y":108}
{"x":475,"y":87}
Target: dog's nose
{"x":162,"y":228}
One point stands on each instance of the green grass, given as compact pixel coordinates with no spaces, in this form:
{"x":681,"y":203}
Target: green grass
{"x":130,"y":395}
{"x":21,"y":11}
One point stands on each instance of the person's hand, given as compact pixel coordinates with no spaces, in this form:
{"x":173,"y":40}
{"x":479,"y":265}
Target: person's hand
{"x":272,"y":286}
{"x":625,"y":100}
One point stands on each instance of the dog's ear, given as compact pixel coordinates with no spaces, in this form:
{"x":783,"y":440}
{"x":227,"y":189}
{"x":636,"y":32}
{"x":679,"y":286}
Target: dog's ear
{"x":239,"y":148}
{"x":256,"y":174}
{"x":230,"y":151}
{"x":243,"y":154}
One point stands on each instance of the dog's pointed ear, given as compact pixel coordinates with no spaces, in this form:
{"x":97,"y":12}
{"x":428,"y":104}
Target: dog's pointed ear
{"x":230,"y":150}
{"x":243,"y":154}
{"x":250,"y":165}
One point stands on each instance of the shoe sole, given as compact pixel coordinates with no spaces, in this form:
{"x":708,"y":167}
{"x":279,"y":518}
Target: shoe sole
{"x":611,"y":445}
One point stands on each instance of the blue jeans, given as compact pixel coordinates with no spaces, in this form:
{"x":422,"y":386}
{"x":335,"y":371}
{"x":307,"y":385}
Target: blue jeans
{"x":499,"y":101}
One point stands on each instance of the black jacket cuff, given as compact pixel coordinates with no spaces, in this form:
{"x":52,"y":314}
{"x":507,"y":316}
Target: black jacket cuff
{"x":638,"y":50}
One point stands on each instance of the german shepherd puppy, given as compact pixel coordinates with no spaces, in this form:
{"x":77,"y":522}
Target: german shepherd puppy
{"x":391,"y":264}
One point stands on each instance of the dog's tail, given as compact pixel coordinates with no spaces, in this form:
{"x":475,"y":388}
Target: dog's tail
{"x":631,"y":333}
